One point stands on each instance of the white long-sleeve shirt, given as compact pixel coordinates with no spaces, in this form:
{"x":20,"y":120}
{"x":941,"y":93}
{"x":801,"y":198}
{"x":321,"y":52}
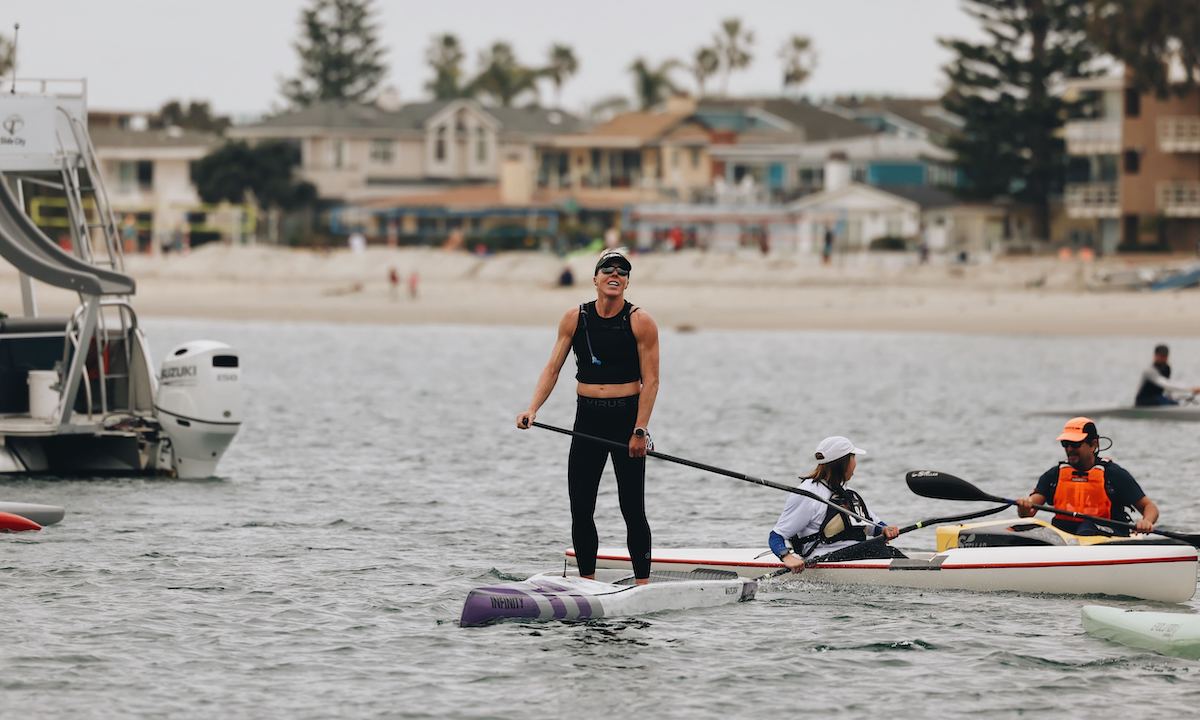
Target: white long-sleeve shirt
{"x":1152,"y":375}
{"x":803,"y":516}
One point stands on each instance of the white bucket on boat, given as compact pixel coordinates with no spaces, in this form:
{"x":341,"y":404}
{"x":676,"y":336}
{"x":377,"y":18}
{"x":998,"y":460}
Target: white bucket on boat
{"x":43,"y":395}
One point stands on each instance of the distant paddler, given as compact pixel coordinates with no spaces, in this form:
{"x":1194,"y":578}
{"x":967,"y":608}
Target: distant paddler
{"x":1156,"y":382}
{"x":1090,"y":485}
{"x":807,"y":526}
{"x":616,"y":358}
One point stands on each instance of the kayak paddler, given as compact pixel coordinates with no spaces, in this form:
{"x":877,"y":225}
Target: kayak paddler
{"x":1156,"y":382}
{"x":807,"y":526}
{"x":616,"y":357}
{"x":1089,"y":484}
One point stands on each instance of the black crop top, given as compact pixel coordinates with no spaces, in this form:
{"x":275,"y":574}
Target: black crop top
{"x":612,"y":344}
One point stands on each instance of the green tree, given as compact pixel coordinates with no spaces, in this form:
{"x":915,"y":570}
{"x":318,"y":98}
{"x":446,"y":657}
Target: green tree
{"x":1003,"y":89}
{"x":445,"y":56}
{"x":8,"y":56}
{"x":237,"y":170}
{"x":705,"y":63}
{"x":502,"y":77}
{"x":197,"y":115}
{"x":562,"y":65}
{"x":799,"y":60}
{"x":1147,"y":35}
{"x":652,"y":85}
{"x":340,"y":55}
{"x":733,"y":43}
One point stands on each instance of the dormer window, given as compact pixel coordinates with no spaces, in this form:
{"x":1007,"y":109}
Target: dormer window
{"x":481,"y":145}
{"x":439,"y":144}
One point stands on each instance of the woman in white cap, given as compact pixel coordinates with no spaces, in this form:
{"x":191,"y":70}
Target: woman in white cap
{"x":807,"y":525}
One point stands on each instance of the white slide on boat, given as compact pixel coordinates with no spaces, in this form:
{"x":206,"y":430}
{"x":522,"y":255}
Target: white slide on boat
{"x":554,"y":596}
{"x":41,"y":514}
{"x":1176,"y":634}
{"x":1149,"y":571}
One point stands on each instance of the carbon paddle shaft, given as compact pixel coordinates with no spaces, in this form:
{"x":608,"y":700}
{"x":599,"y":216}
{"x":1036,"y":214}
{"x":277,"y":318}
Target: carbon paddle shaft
{"x":944,"y":486}
{"x":711,"y":469}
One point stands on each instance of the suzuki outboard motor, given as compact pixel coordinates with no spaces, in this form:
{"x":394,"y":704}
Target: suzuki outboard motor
{"x":199,"y":404}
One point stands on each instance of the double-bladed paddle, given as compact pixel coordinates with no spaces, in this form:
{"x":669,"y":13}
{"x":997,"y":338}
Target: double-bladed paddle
{"x":943,"y":486}
{"x":809,"y":562}
{"x":712,"y":469}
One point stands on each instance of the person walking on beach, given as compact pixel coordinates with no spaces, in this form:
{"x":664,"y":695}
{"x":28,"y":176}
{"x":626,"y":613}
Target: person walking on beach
{"x":1089,"y":484}
{"x":1156,"y":382}
{"x":827,"y":246}
{"x":394,"y":282}
{"x":616,"y":358}
{"x":806,"y":525}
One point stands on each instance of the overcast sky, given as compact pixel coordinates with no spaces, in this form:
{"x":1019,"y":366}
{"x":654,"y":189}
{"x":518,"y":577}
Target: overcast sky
{"x":137,"y":54}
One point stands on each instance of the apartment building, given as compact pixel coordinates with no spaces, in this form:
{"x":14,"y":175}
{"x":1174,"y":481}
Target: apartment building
{"x":1133,"y":179}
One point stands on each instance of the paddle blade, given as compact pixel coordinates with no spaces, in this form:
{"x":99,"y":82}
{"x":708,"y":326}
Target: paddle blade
{"x":944,"y":486}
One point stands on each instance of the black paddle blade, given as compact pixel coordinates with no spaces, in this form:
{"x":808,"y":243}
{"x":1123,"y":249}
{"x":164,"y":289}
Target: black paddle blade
{"x":944,"y":486}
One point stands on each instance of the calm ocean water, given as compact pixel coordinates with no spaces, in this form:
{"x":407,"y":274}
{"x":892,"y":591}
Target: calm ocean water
{"x":378,"y":478}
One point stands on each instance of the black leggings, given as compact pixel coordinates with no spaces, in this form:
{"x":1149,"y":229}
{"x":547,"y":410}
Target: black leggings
{"x":612,"y":419}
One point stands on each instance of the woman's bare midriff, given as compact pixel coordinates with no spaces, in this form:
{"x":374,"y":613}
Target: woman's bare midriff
{"x":609,"y":391}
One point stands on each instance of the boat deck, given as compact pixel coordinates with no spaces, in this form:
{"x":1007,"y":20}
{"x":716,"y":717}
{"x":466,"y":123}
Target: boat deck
{"x":80,"y":424}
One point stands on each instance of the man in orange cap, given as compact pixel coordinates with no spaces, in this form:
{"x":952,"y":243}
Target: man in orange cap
{"x":1088,"y":484}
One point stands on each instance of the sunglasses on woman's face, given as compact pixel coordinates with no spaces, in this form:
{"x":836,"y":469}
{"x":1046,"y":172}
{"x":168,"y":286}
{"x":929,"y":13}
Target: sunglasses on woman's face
{"x":610,"y":269}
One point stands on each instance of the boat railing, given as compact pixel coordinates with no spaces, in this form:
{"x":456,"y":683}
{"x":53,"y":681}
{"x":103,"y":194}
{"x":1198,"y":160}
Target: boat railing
{"x":105,"y":219}
{"x":87,"y":328}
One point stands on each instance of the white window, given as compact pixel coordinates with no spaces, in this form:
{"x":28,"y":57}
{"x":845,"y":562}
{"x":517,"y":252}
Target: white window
{"x":439,"y":144}
{"x":383,"y":151}
{"x":337,"y":154}
{"x":481,"y":145}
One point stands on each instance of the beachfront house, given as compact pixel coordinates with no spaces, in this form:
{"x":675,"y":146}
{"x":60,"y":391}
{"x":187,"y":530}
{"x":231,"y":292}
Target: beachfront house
{"x":147,"y":174}
{"x":1133,"y":179}
{"x":633,"y":157}
{"x":883,"y":147}
{"x":353,"y":151}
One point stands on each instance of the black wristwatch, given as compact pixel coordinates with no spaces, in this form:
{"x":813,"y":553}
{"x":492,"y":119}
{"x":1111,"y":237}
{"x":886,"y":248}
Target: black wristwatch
{"x":639,"y":432}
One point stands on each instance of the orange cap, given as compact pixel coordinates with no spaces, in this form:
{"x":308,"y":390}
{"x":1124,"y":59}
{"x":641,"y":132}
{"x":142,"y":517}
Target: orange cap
{"x":1077,"y":430}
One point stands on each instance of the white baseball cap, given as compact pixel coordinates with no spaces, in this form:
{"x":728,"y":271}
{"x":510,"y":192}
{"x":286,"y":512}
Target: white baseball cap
{"x":836,"y":448}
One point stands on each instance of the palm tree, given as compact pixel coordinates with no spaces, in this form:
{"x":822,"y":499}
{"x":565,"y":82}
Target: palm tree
{"x":652,"y":84}
{"x":445,"y":57}
{"x":502,"y":77}
{"x":799,"y":60}
{"x":562,"y":65}
{"x":733,"y":45}
{"x":705,"y":63}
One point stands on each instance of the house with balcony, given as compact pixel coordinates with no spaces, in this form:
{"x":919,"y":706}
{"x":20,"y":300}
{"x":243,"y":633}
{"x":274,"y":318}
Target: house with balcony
{"x":147,"y":175}
{"x":353,"y":151}
{"x":1133,"y":178}
{"x":786,"y":144}
{"x":640,"y":156}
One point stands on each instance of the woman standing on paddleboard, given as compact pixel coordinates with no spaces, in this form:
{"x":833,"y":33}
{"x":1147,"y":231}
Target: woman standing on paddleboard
{"x":616,"y":358}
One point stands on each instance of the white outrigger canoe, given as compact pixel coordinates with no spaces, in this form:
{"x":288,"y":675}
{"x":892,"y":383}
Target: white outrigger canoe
{"x":555,"y":596}
{"x":1176,"y":634}
{"x":41,"y":514}
{"x":1149,"y":571}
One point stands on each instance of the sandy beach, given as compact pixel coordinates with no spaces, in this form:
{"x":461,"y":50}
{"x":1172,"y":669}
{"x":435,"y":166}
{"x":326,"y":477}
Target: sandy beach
{"x":689,"y":290}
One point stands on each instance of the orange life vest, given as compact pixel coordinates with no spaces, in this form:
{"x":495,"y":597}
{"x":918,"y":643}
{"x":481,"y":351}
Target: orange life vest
{"x":1082,"y":492}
